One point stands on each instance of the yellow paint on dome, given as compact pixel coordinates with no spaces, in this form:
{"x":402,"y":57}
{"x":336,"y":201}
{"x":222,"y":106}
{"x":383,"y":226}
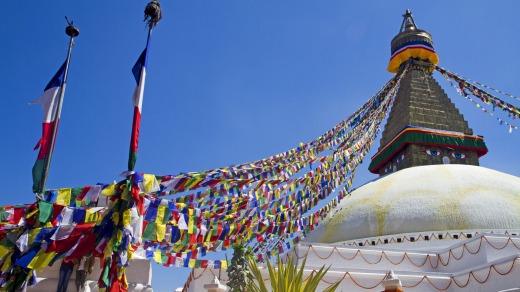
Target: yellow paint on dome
{"x":336,"y":220}
{"x":449,"y":209}
{"x":373,"y":201}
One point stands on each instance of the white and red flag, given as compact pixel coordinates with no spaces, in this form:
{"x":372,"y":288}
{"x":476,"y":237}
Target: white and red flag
{"x":49,"y":102}
{"x":139,"y":71}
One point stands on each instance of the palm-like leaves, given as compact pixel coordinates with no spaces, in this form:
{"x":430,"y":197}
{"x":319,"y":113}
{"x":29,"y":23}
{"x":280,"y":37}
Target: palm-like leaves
{"x":287,"y":278}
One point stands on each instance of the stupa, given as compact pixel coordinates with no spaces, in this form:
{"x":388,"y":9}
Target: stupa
{"x":434,"y":220}
{"x":424,"y":126}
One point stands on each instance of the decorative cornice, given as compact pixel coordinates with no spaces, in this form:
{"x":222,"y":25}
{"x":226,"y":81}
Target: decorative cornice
{"x":425,"y":136}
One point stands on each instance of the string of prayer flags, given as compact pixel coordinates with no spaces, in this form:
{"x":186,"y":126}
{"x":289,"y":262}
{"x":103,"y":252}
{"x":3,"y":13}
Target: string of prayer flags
{"x":483,"y":85}
{"x":466,"y":90}
{"x":269,"y":203}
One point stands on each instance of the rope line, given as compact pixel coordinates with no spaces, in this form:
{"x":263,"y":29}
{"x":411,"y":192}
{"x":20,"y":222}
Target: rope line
{"x":428,"y":257}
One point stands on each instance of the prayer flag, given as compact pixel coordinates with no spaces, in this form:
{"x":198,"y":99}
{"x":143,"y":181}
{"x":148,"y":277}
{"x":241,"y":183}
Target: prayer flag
{"x":49,"y":102}
{"x":63,"y":197}
{"x":157,"y":256}
{"x":150,"y":231}
{"x":160,"y":230}
{"x":46,"y":210}
{"x":41,"y":260}
{"x":26,"y":259}
{"x":223,"y":264}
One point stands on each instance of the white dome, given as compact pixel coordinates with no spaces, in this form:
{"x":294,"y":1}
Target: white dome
{"x":425,"y":198}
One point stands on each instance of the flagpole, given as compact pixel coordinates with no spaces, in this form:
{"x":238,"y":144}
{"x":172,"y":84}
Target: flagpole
{"x":152,"y":16}
{"x":72,"y":32}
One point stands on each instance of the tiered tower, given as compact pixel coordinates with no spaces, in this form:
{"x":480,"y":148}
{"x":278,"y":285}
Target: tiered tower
{"x":424,"y":127}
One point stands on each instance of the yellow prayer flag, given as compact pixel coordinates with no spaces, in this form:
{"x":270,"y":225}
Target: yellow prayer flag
{"x":63,"y":197}
{"x":160,"y":214}
{"x":157,"y":256}
{"x":29,"y":215}
{"x":41,"y":259}
{"x":223,"y":264}
{"x":4,"y":250}
{"x":130,"y":252}
{"x":108,"y":191}
{"x":126,"y":217}
{"x":160,"y":231}
{"x":190,"y":225}
{"x":119,"y":235}
{"x":90,"y":216}
{"x":7,"y":264}
{"x":109,"y":248}
{"x":191,"y":264}
{"x":125,"y":195}
{"x":122,"y":276}
{"x":150,"y":183}
{"x":32,"y":234}
{"x":115,"y":218}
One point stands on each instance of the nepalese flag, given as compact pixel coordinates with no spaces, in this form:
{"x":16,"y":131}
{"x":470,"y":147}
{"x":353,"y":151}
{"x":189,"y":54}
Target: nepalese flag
{"x":49,"y":102}
{"x":139,"y":71}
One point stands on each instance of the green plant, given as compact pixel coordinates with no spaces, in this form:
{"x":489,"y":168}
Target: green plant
{"x":238,"y":271}
{"x":287,"y":277}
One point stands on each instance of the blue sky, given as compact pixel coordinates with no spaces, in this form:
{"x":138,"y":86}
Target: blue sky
{"x":229,"y":81}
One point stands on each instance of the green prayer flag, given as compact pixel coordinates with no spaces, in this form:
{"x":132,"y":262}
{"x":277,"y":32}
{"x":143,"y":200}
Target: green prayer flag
{"x":3,"y":214}
{"x":74,"y":194}
{"x":164,"y":257}
{"x":105,"y":274}
{"x":167,"y":216}
{"x":185,"y":238}
{"x":46,"y":210}
{"x":214,"y":232}
{"x":150,"y":232}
